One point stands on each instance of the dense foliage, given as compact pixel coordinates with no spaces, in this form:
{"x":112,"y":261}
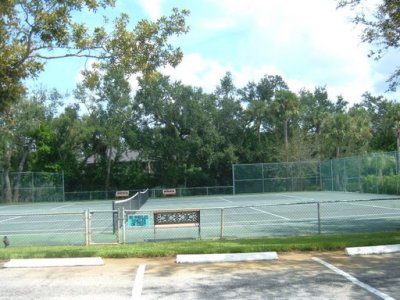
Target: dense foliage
{"x":34,"y":31}
{"x":168,"y":134}
{"x":164,"y":133}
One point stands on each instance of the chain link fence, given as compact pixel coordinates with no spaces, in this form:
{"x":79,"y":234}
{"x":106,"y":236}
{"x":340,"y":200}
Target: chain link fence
{"x":288,"y":219}
{"x":376,"y":173}
{"x":155,"y":193}
{"x":31,"y":187}
{"x":276,"y":177}
{"x":43,"y":229}
{"x":195,"y":191}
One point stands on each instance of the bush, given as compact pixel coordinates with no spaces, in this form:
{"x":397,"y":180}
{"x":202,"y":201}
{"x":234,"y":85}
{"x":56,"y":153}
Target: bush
{"x":381,"y":184}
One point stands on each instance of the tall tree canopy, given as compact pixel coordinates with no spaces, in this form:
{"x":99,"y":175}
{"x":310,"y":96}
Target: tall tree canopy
{"x":34,"y":31}
{"x":178,"y":135}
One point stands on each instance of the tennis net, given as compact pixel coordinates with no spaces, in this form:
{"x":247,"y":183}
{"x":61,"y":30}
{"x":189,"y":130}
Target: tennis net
{"x":133,"y":203}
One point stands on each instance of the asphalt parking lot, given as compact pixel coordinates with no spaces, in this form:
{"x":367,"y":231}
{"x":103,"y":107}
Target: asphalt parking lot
{"x":293,"y":276}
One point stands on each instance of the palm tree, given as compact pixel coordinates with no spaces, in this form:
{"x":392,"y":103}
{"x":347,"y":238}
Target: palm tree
{"x":286,"y":106}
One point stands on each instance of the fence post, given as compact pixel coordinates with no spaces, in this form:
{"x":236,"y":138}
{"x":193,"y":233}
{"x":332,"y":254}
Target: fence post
{"x":119,"y":225}
{"x":263,"y":178}
{"x":86,"y":215}
{"x":123,"y":226}
{"x":345,"y":179}
{"x":319,"y":218}
{"x":233,"y":180}
{"x":33,"y":187}
{"x":222,"y":224}
{"x":332,"y":177}
{"x":63,"y":188}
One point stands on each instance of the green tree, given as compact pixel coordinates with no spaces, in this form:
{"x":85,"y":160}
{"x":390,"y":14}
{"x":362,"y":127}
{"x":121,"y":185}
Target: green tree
{"x":385,"y":119}
{"x":315,"y":107}
{"x":110,"y":108}
{"x":180,"y":134}
{"x":229,"y":123}
{"x":34,"y":31}
{"x":62,"y":147}
{"x":258,"y":98}
{"x":346,"y":133}
{"x":20,"y":128}
{"x":285,"y":108}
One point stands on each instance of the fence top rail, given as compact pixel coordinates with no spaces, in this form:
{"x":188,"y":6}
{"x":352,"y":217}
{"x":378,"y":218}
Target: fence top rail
{"x":311,"y":161}
{"x":158,"y":211}
{"x":194,"y":187}
{"x":260,"y":205}
{"x":201,"y":209}
{"x":41,"y":214}
{"x":277,"y":178}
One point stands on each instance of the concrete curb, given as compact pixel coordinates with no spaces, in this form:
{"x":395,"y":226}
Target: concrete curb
{"x":372,"y":250}
{"x":228,"y":257}
{"x":54,"y":262}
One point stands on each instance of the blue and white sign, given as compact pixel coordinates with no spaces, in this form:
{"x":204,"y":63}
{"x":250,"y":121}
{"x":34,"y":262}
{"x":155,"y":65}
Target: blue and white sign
{"x":138,"y":220}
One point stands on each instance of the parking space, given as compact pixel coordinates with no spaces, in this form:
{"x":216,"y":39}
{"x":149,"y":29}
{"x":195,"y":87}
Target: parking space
{"x":293,"y":276}
{"x":110,"y":281}
{"x":381,"y":272}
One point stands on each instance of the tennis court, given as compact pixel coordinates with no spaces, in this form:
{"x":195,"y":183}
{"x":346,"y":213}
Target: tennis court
{"x":222,"y":216}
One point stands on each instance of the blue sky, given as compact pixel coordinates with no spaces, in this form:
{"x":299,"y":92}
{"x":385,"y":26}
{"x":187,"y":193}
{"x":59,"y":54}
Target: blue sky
{"x":309,"y":43}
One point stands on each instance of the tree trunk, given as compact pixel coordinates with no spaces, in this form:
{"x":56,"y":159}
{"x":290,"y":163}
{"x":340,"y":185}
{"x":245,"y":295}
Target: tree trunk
{"x":398,"y":151}
{"x":285,"y":129}
{"x":17,"y":185}
{"x":109,"y":159}
{"x":6,"y":174}
{"x":337,"y":152}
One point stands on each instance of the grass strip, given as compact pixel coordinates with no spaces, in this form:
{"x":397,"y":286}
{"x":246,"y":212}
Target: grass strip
{"x":172,"y":248}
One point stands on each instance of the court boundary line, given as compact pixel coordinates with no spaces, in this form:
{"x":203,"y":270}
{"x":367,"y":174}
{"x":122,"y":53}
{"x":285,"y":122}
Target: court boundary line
{"x":296,"y":197}
{"x":62,"y":206}
{"x":262,"y":211}
{"x":9,"y":219}
{"x":375,"y":206}
{"x":223,"y":198}
{"x":353,"y":279}
{"x":269,"y":213}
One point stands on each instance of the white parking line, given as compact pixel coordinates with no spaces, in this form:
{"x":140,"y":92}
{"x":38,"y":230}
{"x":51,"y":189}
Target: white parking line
{"x":138,"y":284}
{"x":353,"y":279}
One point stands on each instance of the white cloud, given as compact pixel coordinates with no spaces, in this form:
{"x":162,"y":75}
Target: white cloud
{"x":197,"y":71}
{"x":309,"y":43}
{"x":219,"y":24}
{"x":153,"y":8}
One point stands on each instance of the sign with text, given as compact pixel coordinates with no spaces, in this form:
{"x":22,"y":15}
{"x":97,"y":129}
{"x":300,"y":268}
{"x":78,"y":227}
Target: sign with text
{"x":138,"y":220}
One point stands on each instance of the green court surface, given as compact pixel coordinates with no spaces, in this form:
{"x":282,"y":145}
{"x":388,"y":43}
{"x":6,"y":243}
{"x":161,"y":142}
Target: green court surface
{"x":223,"y":216}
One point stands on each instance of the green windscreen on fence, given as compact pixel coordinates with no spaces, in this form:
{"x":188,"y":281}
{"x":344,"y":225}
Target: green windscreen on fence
{"x":276,"y":177}
{"x":31,"y":187}
{"x":374,"y":173}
